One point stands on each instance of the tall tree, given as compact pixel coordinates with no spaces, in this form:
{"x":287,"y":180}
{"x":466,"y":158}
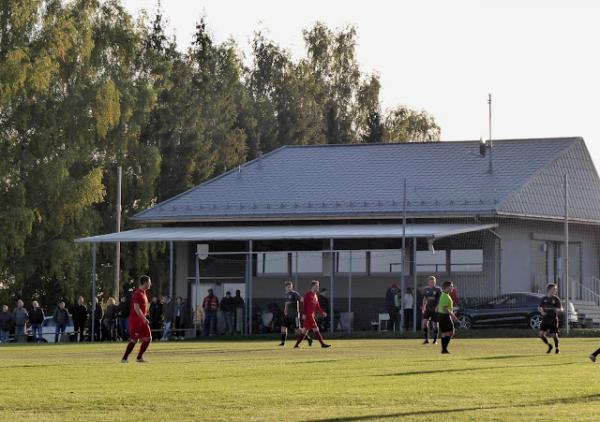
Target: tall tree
{"x":405,"y":125}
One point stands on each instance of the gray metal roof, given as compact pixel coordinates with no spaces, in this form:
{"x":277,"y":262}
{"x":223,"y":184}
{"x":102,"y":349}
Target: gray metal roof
{"x":326,"y":231}
{"x":362,"y":181}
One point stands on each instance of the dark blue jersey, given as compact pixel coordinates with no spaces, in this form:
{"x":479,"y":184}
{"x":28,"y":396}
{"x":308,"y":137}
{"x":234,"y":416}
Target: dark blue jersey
{"x":292,"y":301}
{"x":551,"y":305}
{"x":432,"y":295}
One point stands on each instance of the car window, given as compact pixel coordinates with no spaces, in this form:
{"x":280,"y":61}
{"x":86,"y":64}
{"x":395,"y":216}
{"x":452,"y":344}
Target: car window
{"x":498,"y":301}
{"x":533,"y":300}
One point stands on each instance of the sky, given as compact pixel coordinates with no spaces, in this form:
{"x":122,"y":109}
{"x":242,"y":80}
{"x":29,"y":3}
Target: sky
{"x":540,"y":60}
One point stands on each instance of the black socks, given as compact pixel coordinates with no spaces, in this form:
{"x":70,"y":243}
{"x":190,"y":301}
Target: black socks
{"x":283,"y":338}
{"x":545,"y":340}
{"x":445,"y":343}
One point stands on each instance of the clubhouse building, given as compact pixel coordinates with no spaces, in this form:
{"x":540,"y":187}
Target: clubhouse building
{"x":491,"y":219}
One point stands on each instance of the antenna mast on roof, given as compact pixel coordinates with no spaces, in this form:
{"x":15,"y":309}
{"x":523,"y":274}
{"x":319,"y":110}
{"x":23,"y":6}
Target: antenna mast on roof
{"x":490,"y":142}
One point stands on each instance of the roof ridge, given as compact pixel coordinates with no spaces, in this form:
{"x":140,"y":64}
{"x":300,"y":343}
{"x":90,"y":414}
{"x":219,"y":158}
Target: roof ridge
{"x":447,"y":142}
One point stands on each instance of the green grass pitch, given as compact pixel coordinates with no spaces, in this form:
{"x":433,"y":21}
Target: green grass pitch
{"x":356,"y":380}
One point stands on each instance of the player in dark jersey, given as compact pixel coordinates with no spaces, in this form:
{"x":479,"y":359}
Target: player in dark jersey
{"x":550,"y":307}
{"x":291,"y":313}
{"x":431,"y":297}
{"x":139,"y":326}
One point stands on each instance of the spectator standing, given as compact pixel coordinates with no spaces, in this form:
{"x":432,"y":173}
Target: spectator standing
{"x":6,"y":322}
{"x":167,"y":310}
{"x":36,"y":318}
{"x":391,"y":308}
{"x":239,"y":312}
{"x":20,"y":318}
{"x":179,"y":318}
{"x":408,"y":303}
{"x":97,"y":319}
{"x":124,"y":318}
{"x":228,"y":309}
{"x":80,"y":316}
{"x":210,"y":306}
{"x":110,"y":318}
{"x":61,"y":319}
{"x":155,"y":314}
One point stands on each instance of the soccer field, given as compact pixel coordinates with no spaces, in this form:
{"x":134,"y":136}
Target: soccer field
{"x":483,"y":379}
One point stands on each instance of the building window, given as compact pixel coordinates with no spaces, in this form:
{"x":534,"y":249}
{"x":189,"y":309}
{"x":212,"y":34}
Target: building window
{"x":428,"y":262}
{"x":466,"y":260}
{"x":271,"y":263}
{"x":308,"y":262}
{"x":359,"y":262}
{"x":386,"y":261}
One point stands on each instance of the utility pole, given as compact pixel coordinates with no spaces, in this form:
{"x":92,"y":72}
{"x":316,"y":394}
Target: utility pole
{"x":566,"y":281}
{"x":117,"y":288}
{"x":490,"y":142}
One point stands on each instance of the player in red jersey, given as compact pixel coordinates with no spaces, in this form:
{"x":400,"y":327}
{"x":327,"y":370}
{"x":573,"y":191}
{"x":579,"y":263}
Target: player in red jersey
{"x":139,"y":327}
{"x":311,"y":305}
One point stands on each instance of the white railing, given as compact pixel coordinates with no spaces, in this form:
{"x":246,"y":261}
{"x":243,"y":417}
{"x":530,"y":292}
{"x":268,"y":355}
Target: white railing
{"x":588,"y":292}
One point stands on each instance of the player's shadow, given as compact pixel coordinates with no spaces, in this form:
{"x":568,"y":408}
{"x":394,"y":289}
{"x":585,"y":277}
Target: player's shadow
{"x":498,"y":357}
{"x":395,"y":416}
{"x":432,"y":412}
{"x":455,"y":370}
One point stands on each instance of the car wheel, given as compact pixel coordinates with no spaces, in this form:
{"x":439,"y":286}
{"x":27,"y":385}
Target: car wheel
{"x":466,"y":323}
{"x":535,"y":322}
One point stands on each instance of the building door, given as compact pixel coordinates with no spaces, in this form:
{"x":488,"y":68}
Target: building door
{"x":539,"y":266}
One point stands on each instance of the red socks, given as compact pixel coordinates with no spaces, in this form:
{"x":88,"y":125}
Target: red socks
{"x":300,"y":338}
{"x":128,"y":350}
{"x":143,"y":348}
{"x":318,"y":336}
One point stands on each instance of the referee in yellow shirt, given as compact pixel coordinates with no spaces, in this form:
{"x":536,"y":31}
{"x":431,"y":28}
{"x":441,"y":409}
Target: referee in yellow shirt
{"x":446,"y":316}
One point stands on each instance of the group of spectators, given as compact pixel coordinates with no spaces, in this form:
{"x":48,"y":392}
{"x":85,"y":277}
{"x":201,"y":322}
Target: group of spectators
{"x":231,"y":307}
{"x":24,"y":322}
{"x":103,"y":322}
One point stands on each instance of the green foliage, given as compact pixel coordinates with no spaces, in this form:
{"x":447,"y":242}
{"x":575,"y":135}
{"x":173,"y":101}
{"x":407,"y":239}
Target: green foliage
{"x":85,"y":88}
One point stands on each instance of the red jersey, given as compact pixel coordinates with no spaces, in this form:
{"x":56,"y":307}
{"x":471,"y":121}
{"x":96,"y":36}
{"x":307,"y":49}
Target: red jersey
{"x":311,"y":304}
{"x":139,"y":297}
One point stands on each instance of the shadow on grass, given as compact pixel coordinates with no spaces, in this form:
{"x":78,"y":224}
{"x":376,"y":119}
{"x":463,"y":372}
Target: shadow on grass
{"x":482,"y":368}
{"x":561,"y":400}
{"x":498,"y":357}
{"x":406,"y":414}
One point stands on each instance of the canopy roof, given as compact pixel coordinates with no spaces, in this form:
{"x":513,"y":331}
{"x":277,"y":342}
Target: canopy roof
{"x":332,"y":231}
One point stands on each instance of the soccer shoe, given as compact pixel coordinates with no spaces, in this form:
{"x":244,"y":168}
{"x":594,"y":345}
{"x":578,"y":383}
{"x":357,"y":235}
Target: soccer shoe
{"x":282,"y":344}
{"x":310,"y":341}
{"x":435,"y":341}
{"x":326,"y":346}
{"x":124,"y":361}
{"x":296,"y":347}
{"x":426,"y":342}
{"x":556,"y":351}
{"x":141,"y":360}
{"x":445,"y":352}
{"x":549,"y":349}
{"x":592,"y":358}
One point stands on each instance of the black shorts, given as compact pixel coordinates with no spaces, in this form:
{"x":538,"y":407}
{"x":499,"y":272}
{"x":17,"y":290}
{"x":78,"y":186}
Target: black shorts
{"x":289,"y":322}
{"x":446,"y":324}
{"x":431,"y":315}
{"x":549,"y":325}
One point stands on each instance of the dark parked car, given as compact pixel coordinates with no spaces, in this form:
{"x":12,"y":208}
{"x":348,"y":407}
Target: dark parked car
{"x":508,"y":310}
